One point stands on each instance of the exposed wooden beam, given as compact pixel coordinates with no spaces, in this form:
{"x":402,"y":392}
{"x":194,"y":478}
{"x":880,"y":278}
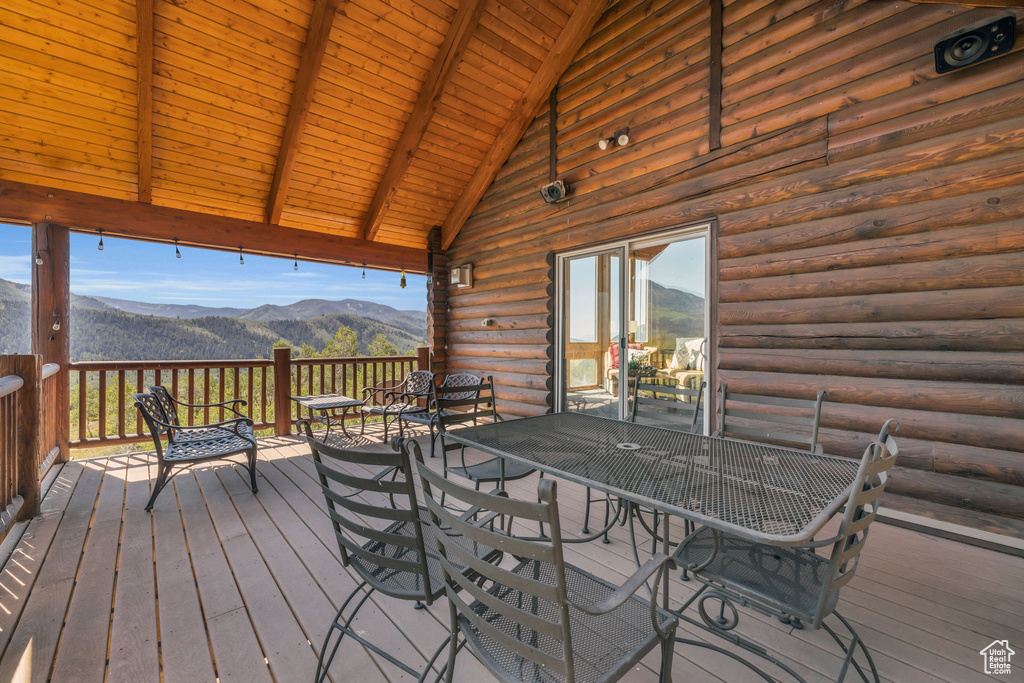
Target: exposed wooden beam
{"x":144,"y":83}
{"x":572,"y":37}
{"x":317,"y":38}
{"x":973,"y":3}
{"x":448,"y":58}
{"x":23,"y":202}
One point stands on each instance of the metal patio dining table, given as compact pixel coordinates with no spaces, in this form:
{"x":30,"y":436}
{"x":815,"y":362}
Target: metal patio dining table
{"x":760,"y":492}
{"x":756,"y":491}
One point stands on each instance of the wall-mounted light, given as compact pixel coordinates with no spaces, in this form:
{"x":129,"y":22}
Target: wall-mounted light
{"x":402,"y":281}
{"x":177,"y":253}
{"x":620,"y":139}
{"x":39,"y":258}
{"x":462,"y":276}
{"x":56,"y":322}
{"x":99,"y":246}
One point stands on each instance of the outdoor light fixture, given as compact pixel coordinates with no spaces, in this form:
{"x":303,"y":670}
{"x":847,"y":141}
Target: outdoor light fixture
{"x":296,"y":260}
{"x":241,"y":260}
{"x":177,"y":254}
{"x":100,"y":245}
{"x":605,"y":143}
{"x":620,"y":139}
{"x":39,"y":258}
{"x":364,"y":271}
{"x":402,"y":281}
{"x":56,"y":322}
{"x":462,"y":276}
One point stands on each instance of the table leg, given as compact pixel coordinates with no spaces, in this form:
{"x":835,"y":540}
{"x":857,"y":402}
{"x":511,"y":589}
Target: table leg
{"x":665,"y":548}
{"x":344,"y":414}
{"x":326,"y":414}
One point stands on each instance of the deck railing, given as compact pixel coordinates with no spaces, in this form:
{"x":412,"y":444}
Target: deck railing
{"x":103,"y":412}
{"x":29,"y":433}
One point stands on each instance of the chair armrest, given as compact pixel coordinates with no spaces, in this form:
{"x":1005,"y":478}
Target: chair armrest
{"x":615,"y":599}
{"x":232,"y":425}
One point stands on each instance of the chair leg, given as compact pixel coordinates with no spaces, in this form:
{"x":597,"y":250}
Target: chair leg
{"x":252,"y":470}
{"x":586,"y":514}
{"x":452,"y":643}
{"x":432,"y":437}
{"x":362,"y":423}
{"x":607,"y":513}
{"x":668,"y":651}
{"x":343,"y":629}
{"x":162,"y":477}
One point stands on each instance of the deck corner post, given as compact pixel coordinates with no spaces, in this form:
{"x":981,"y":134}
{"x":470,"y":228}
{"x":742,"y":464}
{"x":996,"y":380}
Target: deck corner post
{"x":282,"y":381}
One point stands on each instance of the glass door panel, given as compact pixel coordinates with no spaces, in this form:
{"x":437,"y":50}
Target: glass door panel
{"x":667,"y":336}
{"x":590,"y":329}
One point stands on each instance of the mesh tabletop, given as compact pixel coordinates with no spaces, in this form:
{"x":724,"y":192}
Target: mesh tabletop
{"x":327,"y":401}
{"x":757,"y":491}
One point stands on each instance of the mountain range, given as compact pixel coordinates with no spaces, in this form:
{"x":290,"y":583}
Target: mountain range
{"x":116,"y":329}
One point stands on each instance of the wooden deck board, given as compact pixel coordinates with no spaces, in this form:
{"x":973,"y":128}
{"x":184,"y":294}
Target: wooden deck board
{"x":221,"y":583}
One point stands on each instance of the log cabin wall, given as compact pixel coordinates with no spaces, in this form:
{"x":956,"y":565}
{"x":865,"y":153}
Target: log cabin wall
{"x":869,"y":221}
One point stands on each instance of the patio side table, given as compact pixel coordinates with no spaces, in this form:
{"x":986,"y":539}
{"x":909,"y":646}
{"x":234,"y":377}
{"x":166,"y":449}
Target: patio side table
{"x":328,"y":405}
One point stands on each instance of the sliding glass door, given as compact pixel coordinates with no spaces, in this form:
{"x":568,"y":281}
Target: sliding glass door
{"x":615,"y":321}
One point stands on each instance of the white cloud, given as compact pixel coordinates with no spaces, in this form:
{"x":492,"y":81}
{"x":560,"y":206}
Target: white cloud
{"x":16,"y":268}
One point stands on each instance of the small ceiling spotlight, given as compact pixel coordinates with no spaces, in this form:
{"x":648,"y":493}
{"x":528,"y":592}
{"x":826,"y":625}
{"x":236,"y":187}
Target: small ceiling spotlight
{"x":99,"y":246}
{"x":296,"y":260}
{"x":364,"y":271}
{"x":241,"y":260}
{"x":177,"y":254}
{"x":39,"y":258}
{"x":402,"y":281}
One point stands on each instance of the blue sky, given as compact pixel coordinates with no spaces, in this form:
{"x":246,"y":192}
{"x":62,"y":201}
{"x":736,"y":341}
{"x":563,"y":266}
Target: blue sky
{"x":143,"y":271}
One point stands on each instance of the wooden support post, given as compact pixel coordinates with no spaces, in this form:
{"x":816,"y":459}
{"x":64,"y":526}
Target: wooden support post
{"x":423,"y":358}
{"x":282,"y":397}
{"x":51,"y":307}
{"x":437,"y":303}
{"x":30,"y":409}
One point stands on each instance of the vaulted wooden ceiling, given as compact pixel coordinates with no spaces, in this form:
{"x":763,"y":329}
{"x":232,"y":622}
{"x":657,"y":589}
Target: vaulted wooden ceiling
{"x":366,"y":119}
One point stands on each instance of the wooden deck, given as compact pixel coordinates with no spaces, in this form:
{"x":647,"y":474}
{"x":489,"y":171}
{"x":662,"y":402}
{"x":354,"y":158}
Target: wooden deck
{"x":220,"y":584}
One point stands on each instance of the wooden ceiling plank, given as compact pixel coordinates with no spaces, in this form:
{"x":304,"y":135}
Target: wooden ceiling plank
{"x":568,"y":44}
{"x":317,"y":39}
{"x":447,"y":61}
{"x":144,"y":81}
{"x":118,"y":217}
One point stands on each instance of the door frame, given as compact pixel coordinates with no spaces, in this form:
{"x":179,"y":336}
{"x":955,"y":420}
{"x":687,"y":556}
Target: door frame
{"x":622,"y":246}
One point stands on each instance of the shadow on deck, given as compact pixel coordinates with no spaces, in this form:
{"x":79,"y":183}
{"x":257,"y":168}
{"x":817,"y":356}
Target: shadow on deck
{"x":221,"y":584}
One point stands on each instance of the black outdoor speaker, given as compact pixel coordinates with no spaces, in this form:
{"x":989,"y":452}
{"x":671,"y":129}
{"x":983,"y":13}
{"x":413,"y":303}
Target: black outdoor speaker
{"x":554,"y":192}
{"x":984,"y":40}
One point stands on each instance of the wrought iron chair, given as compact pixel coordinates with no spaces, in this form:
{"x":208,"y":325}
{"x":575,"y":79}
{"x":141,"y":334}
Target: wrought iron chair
{"x":169,"y":404}
{"x":190,"y":445}
{"x":662,"y":405}
{"x":398,"y":560}
{"x":543,"y":619}
{"x":389,"y":401}
{"x":795,"y":584}
{"x":472,"y":403}
{"x":767,"y":424}
{"x":429,"y":417}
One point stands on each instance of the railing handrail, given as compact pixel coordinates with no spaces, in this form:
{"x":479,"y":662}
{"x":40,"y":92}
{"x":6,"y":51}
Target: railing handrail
{"x":115,"y":365}
{"x":10,"y":384}
{"x":353,"y":359}
{"x":50,"y":369}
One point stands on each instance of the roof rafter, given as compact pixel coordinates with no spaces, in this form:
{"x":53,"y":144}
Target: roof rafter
{"x":144,"y":81}
{"x":317,"y":39}
{"x":448,"y":57}
{"x":571,"y":39}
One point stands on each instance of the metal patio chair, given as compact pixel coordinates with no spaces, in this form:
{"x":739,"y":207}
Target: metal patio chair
{"x":389,"y":401}
{"x":471,"y":403}
{"x":384,"y":535}
{"x":543,"y":619}
{"x":429,"y":417}
{"x":662,"y":405}
{"x":190,"y":445}
{"x":169,"y":404}
{"x":795,"y":584}
{"x":764,"y":421}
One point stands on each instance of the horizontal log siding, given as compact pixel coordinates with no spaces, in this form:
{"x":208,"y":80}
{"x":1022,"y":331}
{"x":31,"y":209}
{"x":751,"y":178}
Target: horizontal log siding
{"x":869,"y":220}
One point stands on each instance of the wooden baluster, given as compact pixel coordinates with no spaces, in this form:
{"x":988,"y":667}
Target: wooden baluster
{"x":191,"y":394}
{"x":206,"y":394}
{"x":252,"y":404}
{"x":344,"y":380}
{"x":140,"y":388}
{"x":263,"y":392}
{"x":156,"y":378}
{"x":83,"y":416}
{"x":102,"y":417}
{"x":121,"y":391}
{"x":174,"y":384}
{"x":322,"y":390}
{"x":222,"y":378}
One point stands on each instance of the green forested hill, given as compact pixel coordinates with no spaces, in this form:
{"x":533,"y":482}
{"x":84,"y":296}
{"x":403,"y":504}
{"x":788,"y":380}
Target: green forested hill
{"x":104,"y":333}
